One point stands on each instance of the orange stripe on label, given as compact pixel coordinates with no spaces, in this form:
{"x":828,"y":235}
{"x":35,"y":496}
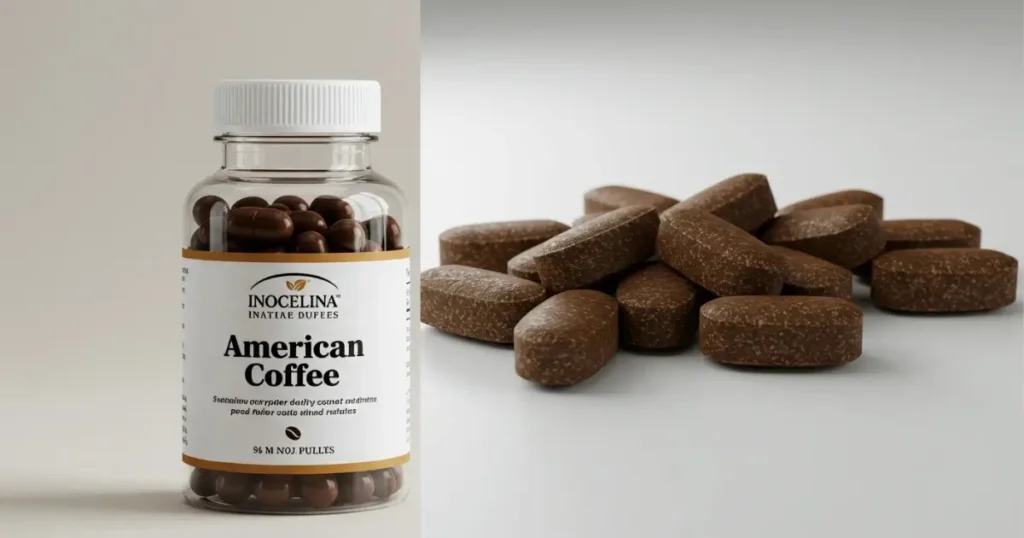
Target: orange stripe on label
{"x":332,"y":257}
{"x":295,"y":469}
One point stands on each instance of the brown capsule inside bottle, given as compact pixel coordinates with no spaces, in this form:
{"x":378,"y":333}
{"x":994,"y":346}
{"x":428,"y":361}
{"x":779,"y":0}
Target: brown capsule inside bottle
{"x":355,"y":488}
{"x":250,"y":201}
{"x":318,"y":491}
{"x":200,"y":239}
{"x":308,"y":221}
{"x":203,"y":206}
{"x":273,"y":489}
{"x":280,"y":207}
{"x":310,"y":242}
{"x":234,"y":488}
{"x":332,"y":208}
{"x":399,"y":473}
{"x":293,"y":203}
{"x":384,"y":483}
{"x":261,"y":224}
{"x":235,"y":246}
{"x":384,"y":230}
{"x":346,"y":235}
{"x":203,"y":482}
{"x":371,"y":246}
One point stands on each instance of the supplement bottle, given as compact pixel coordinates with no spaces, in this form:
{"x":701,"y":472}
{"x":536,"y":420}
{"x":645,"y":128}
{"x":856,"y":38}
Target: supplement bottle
{"x":295,"y":282}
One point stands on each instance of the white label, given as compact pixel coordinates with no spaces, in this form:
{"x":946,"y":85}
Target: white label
{"x":296,"y":363}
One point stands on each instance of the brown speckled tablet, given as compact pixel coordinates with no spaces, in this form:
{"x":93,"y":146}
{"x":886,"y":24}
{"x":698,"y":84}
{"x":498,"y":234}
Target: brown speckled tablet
{"x":745,"y":201}
{"x":930,"y":233}
{"x":838,"y":198}
{"x":523,"y":265}
{"x":804,"y":274}
{"x":908,"y":234}
{"x":657,"y":308}
{"x":785,"y":331}
{"x":567,"y":339}
{"x":944,"y":280}
{"x":476,"y":303}
{"x":491,"y":245}
{"x":614,"y":197}
{"x":846,"y":235}
{"x":718,"y":256}
{"x":593,"y":251}
{"x":587,"y":217}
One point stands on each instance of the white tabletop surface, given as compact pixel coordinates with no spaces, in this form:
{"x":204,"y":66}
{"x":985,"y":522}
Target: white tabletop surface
{"x":919,"y":437}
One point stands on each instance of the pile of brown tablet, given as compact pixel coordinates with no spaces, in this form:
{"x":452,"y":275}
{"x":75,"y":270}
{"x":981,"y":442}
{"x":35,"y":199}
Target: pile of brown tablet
{"x":761,"y":286}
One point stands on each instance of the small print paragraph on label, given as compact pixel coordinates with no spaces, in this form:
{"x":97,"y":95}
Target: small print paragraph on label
{"x":295,"y":407}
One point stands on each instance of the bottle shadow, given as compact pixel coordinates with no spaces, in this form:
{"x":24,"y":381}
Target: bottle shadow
{"x":146,"y":502}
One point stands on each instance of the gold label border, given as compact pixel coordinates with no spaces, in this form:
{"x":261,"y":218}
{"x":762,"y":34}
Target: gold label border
{"x":295,"y":469}
{"x":327,"y":257}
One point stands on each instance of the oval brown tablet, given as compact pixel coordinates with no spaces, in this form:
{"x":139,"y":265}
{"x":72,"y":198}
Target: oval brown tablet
{"x":590,"y":253}
{"x":612,"y":197}
{"x":491,"y":245}
{"x":804,"y":274}
{"x":718,"y":256}
{"x":523,"y":265}
{"x":745,"y":201}
{"x":905,"y":234}
{"x":930,"y":233}
{"x":846,"y":235}
{"x":476,"y":303}
{"x":567,"y":339}
{"x":587,"y":217}
{"x":657,"y":308}
{"x":944,"y":280}
{"x":782,"y":331}
{"x":838,"y":198}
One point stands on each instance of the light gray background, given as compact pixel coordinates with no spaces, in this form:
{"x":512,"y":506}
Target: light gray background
{"x":105,"y":123}
{"x":527,"y":104}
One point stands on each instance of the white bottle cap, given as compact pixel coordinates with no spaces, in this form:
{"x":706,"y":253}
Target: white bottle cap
{"x":283,"y":107}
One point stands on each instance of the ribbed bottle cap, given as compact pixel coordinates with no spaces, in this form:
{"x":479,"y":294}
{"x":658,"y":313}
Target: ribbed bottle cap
{"x":269,"y":107}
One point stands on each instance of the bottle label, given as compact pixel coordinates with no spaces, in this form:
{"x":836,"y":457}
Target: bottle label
{"x":295,"y":363}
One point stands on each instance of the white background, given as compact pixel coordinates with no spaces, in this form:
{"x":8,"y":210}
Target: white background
{"x":527,"y":106}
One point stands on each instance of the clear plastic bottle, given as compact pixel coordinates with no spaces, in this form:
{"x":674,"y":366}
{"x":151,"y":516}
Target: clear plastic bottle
{"x":295,"y":283}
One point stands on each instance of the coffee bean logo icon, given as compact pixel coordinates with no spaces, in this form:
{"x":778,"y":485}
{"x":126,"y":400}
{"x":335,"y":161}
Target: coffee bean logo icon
{"x":292,"y":433}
